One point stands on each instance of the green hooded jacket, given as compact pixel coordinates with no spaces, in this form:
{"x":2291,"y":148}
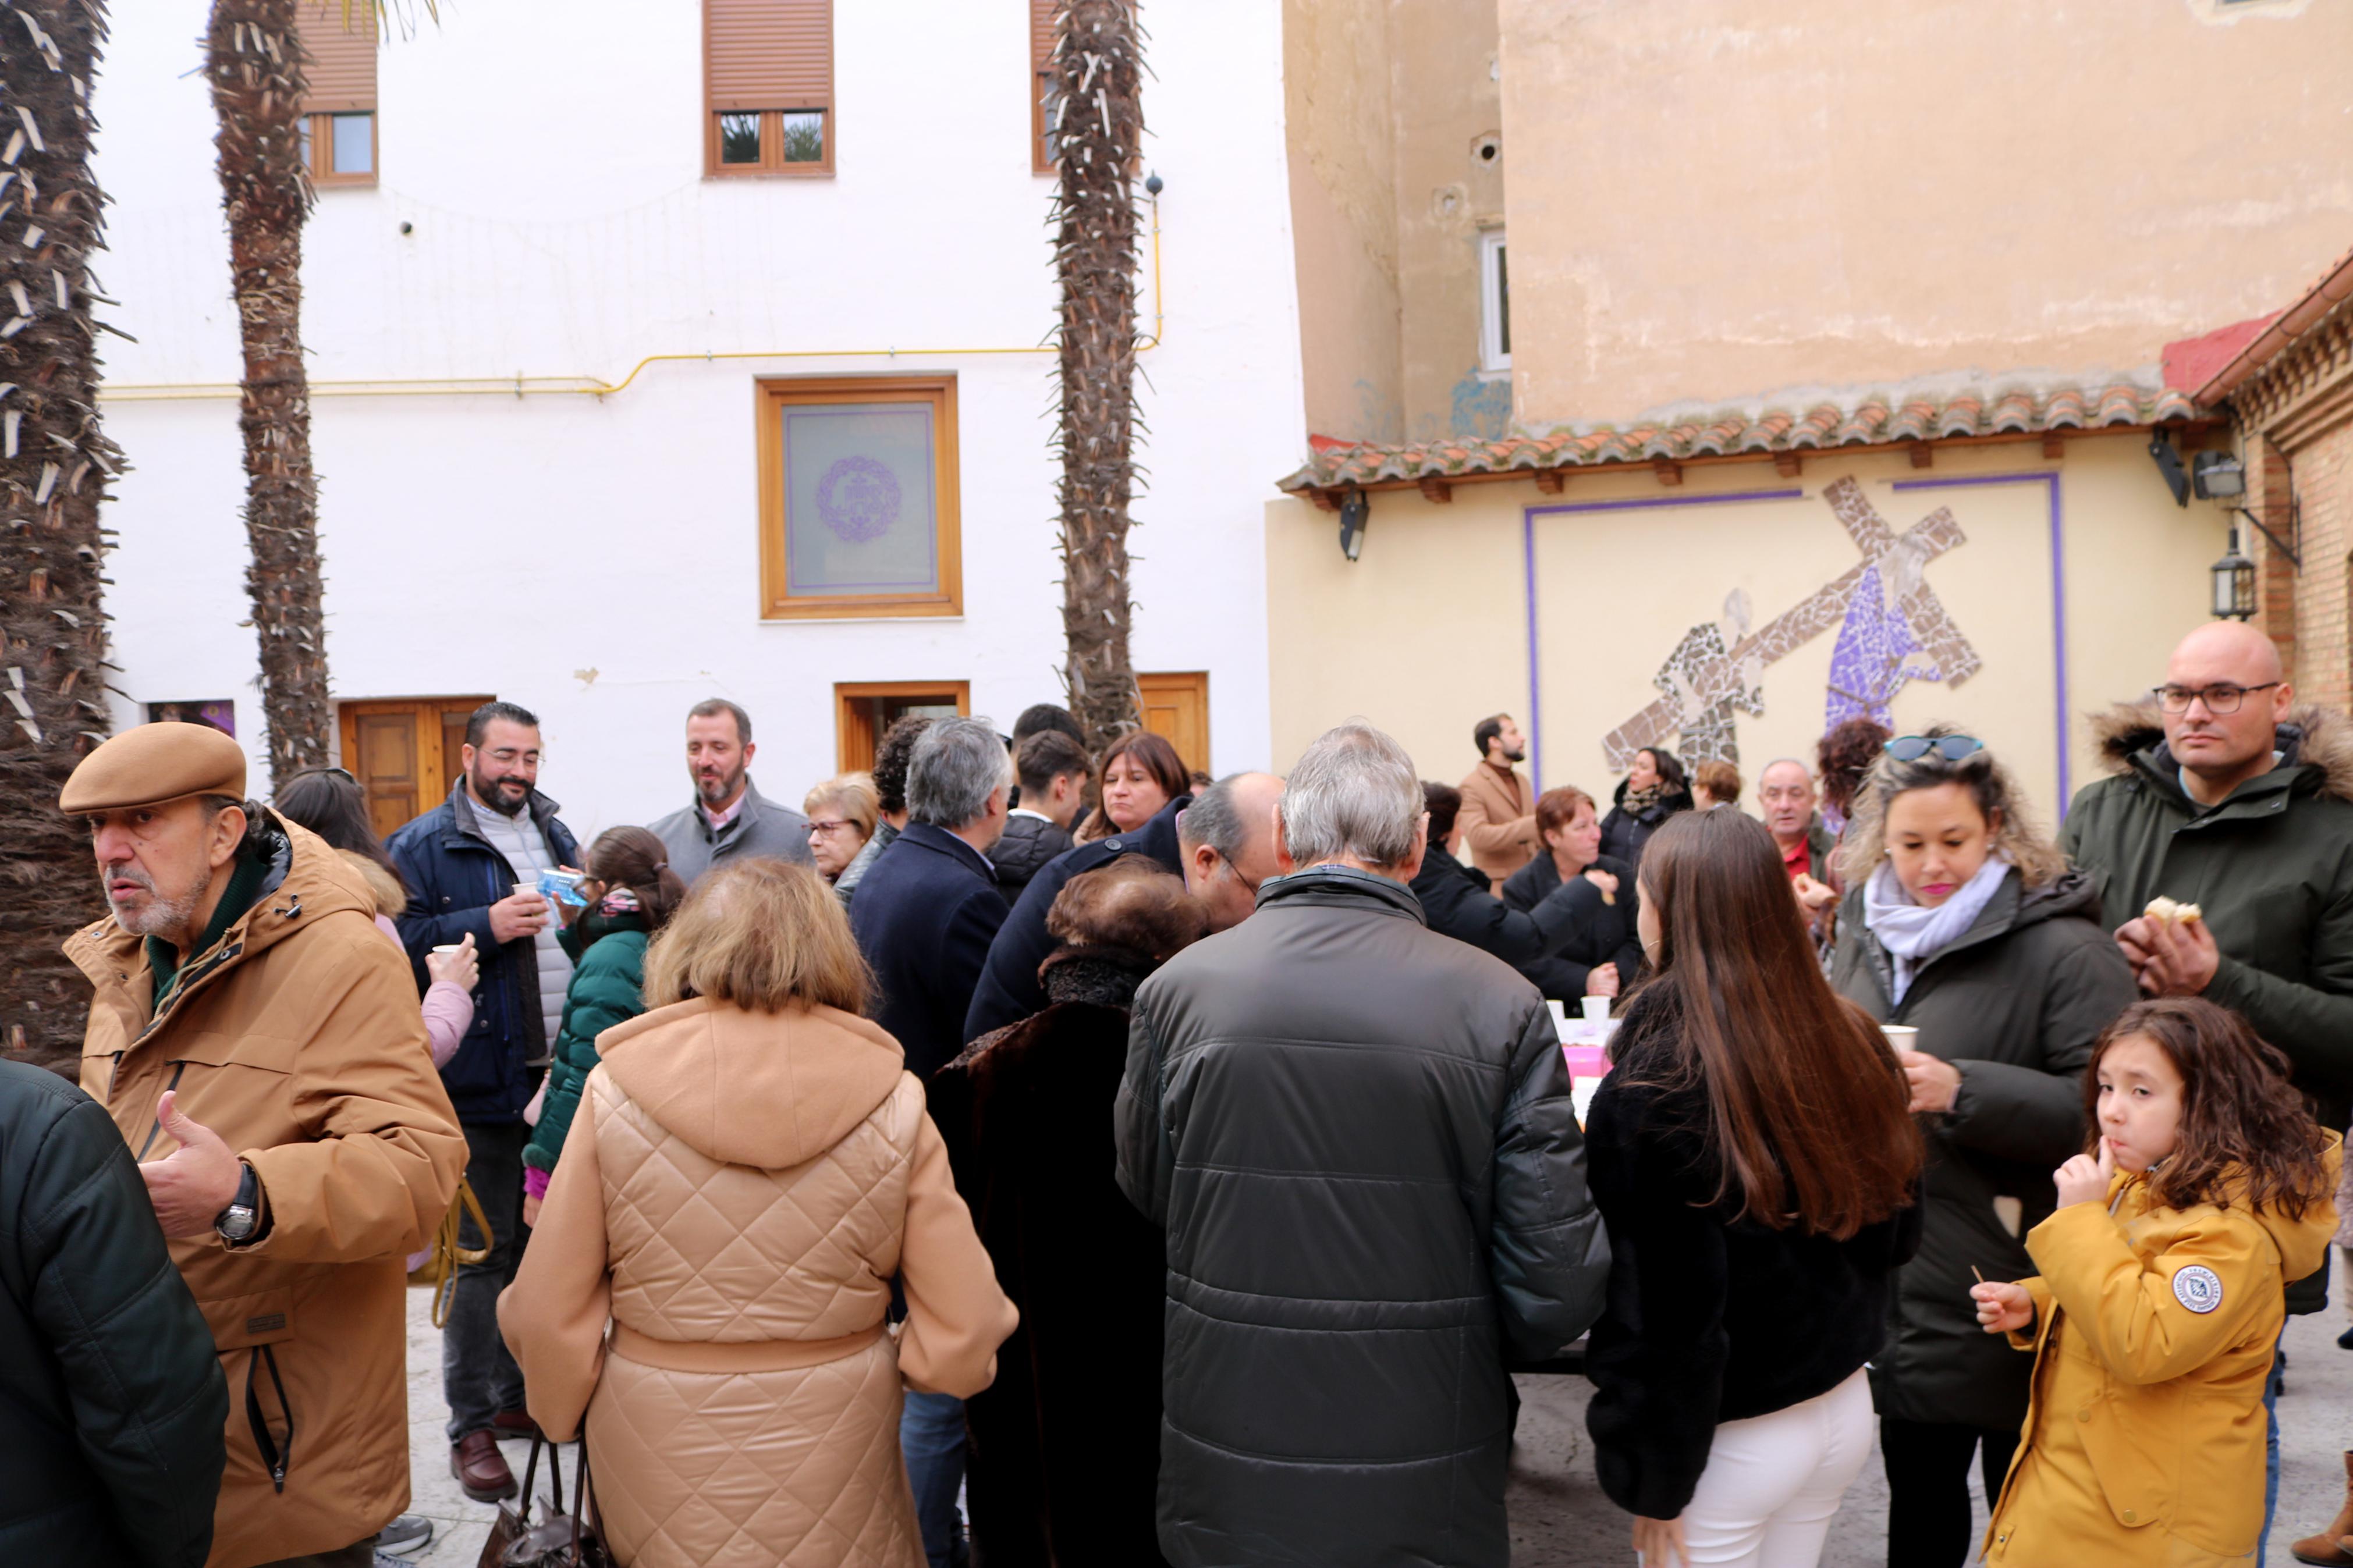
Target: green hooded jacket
{"x":2271,"y":868}
{"x":608,"y":987}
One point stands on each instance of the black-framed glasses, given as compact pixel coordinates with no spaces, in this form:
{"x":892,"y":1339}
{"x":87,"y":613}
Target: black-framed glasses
{"x":2222,"y":697}
{"x":1952,"y":748}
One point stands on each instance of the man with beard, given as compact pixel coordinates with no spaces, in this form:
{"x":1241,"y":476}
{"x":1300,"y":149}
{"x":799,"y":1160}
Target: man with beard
{"x":730,"y":818}
{"x":259,"y":1049}
{"x":1499,"y":807}
{"x":463,"y":862}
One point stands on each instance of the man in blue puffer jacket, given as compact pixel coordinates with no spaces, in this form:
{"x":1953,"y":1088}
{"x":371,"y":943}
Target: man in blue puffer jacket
{"x":461,"y":861}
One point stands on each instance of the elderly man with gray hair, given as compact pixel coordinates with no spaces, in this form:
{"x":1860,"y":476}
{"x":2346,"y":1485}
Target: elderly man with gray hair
{"x":1356,"y":1135}
{"x":924,"y":917}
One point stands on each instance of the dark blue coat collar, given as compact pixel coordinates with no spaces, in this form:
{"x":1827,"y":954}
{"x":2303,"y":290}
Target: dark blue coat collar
{"x":940,"y":841}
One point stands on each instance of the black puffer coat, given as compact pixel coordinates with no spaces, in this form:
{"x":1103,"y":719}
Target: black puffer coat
{"x":1357,"y":1135}
{"x":113,"y":1406}
{"x":1028,"y":843}
{"x":1604,"y":933}
{"x":2015,"y":1002}
{"x":1624,"y":832}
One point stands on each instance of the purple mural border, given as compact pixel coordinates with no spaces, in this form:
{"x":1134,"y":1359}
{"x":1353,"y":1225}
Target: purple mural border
{"x":1529,"y":515}
{"x":2049,"y":480}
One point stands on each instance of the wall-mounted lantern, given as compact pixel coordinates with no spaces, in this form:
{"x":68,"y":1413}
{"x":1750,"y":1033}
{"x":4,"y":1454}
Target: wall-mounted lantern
{"x":1353,"y":509}
{"x":2234,"y":583}
{"x":2218,"y":475}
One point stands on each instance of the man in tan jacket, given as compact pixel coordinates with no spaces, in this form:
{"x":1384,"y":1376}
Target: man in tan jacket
{"x":261,"y":1047}
{"x":1499,"y":807}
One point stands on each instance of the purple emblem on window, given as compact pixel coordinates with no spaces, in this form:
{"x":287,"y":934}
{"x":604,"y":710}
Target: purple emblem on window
{"x":858,"y":498}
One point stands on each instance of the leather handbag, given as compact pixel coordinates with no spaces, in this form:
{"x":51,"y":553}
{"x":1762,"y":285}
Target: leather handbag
{"x":441,"y":1271}
{"x":559,"y":1540}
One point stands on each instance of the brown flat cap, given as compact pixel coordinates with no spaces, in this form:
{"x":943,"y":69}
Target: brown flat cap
{"x":154,"y":764}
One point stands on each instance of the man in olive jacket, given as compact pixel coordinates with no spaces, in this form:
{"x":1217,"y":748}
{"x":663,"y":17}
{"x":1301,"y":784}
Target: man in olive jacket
{"x":1357,"y":1135}
{"x":111,"y":1403}
{"x":2228,"y":795}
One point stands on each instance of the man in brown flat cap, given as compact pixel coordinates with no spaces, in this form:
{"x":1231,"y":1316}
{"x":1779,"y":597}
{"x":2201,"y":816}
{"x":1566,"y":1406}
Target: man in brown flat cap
{"x":258,"y":1044}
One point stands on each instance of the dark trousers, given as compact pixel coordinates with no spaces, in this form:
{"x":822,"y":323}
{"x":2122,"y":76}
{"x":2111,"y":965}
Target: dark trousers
{"x":360,"y":1554}
{"x":1928,"y":1523}
{"x":479,"y":1377}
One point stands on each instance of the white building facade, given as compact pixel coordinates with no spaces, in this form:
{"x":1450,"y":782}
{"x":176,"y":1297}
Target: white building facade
{"x":534,"y":485}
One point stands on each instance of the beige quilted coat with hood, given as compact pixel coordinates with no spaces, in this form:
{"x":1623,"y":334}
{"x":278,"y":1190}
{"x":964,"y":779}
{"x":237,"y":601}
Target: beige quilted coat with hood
{"x":709,"y":1279}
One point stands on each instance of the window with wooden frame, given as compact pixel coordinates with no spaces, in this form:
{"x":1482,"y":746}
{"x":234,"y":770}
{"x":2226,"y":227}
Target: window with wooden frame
{"x":858,"y":497}
{"x":767,"y":75}
{"x":339,"y":108}
{"x":1042,"y":13}
{"x":863,"y":709}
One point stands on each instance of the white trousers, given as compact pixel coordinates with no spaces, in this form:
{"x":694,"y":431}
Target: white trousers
{"x":1773,"y":1482}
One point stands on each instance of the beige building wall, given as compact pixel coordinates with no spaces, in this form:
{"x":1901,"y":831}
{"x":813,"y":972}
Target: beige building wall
{"x":1428,"y":632}
{"x":1393,"y":122}
{"x":1734,"y":200}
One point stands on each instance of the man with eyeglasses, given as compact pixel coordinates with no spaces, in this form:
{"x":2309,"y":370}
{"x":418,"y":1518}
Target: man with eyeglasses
{"x":2228,"y":795}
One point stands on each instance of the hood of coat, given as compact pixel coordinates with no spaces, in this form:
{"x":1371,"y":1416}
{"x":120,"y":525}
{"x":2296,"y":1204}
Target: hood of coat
{"x":2303,"y":1243}
{"x":2131,"y":736}
{"x":771,"y":1091}
{"x":391,"y":898}
{"x":310,"y":880}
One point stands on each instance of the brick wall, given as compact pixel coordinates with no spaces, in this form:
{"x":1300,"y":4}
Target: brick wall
{"x":2295,"y":419}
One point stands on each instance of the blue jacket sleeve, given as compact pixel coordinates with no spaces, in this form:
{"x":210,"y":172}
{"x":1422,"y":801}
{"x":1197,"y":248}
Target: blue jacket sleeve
{"x":422,"y":926}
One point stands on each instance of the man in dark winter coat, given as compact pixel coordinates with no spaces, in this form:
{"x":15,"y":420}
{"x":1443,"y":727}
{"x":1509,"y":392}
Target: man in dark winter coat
{"x":112,"y":1403}
{"x":2227,"y":795}
{"x":1358,"y":1136}
{"x":1455,"y":902}
{"x":461,"y":862}
{"x":1051,"y":769}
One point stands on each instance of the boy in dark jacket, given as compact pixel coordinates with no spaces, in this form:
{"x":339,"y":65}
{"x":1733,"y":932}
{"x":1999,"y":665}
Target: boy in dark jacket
{"x":113,"y":1405}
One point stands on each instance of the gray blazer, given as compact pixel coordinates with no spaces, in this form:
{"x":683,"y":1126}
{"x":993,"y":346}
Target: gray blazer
{"x":762,"y":828}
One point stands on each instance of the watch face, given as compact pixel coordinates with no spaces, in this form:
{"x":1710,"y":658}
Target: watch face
{"x":236,"y":1224}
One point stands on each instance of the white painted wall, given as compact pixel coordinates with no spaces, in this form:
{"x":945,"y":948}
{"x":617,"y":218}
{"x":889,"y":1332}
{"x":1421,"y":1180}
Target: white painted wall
{"x":551,"y":170}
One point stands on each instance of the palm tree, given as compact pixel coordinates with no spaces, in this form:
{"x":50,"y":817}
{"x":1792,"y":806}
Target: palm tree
{"x":1098,"y":117}
{"x":253,"y":61}
{"x":55,"y":465}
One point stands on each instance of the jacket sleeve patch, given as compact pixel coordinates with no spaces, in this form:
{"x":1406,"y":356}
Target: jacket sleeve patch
{"x":2197,"y":1287}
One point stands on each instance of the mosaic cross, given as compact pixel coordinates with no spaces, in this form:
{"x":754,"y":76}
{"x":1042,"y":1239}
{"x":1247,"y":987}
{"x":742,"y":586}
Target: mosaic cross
{"x":1709,"y":674}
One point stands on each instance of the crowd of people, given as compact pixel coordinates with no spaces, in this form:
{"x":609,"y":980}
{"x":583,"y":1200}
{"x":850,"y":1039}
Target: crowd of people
{"x":1023,"y":1156}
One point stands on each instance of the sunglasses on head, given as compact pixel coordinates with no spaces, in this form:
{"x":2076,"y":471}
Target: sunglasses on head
{"x":1952,"y":748}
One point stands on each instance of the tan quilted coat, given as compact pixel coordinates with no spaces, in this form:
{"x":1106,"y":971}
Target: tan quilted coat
{"x":709,"y":1279}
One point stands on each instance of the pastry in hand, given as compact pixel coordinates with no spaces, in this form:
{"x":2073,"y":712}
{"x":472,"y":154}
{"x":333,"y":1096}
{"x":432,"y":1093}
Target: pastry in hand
{"x":2164,"y":909}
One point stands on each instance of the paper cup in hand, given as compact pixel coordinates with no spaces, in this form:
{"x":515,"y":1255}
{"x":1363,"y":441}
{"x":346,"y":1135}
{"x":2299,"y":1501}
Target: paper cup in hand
{"x":527,"y":890}
{"x":449,"y":947}
{"x":1902,"y":1036}
{"x":1597,"y":1008}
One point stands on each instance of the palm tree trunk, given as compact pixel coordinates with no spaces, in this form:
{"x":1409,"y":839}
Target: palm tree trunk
{"x":54,"y":464}
{"x":253,"y":59}
{"x":1099,"y":122}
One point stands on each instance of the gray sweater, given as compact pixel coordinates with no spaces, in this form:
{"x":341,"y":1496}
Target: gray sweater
{"x":761,"y":828}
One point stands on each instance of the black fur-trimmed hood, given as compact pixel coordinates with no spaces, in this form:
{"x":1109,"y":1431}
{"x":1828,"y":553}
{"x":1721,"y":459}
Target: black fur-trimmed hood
{"x":2311,"y":735}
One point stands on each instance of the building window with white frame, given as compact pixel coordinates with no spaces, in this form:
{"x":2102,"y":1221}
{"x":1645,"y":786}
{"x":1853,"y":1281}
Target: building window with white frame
{"x":1494,"y":304}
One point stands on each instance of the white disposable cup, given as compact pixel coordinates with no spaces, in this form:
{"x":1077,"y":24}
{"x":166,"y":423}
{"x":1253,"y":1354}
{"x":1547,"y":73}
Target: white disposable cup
{"x":1902,"y":1036}
{"x":449,"y":947}
{"x":1597,"y":1008}
{"x":530,"y":888}
{"x":1559,"y":1017}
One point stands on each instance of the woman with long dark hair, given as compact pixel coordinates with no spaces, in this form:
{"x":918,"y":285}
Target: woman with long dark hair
{"x":1653,"y":790}
{"x":1140,"y":773}
{"x":1962,"y":922}
{"x":1752,"y":1157}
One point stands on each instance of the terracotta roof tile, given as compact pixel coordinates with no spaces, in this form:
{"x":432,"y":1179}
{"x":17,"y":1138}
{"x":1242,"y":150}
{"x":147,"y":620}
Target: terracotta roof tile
{"x":1876,"y":419}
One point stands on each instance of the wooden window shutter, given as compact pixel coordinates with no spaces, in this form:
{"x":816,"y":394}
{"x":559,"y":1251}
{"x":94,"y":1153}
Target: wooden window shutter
{"x":343,"y":62}
{"x":768,"y":53}
{"x":1042,"y":37}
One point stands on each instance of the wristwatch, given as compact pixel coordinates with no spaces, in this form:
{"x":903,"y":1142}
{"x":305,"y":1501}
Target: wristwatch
{"x":237,"y":1223}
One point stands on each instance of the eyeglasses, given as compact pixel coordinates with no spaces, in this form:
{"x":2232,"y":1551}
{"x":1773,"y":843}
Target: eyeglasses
{"x":817,"y":827}
{"x":1952,"y":748}
{"x":2222,"y":697}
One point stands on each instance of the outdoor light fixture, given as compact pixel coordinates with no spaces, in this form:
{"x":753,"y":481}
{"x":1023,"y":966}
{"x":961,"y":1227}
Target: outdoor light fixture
{"x":2216,"y":476}
{"x":2169,"y":463}
{"x":2234,"y":583}
{"x":1353,"y":509}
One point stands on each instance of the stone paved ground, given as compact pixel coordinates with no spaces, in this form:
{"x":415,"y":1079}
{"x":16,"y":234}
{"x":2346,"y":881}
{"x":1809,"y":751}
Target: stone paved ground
{"x":1559,"y":1518}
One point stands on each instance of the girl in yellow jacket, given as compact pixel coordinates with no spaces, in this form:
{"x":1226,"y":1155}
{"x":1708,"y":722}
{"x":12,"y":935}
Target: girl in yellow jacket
{"x":2159,"y":1303}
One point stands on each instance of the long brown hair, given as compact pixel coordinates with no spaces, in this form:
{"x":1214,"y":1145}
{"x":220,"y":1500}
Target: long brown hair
{"x":634,"y":859}
{"x":2244,"y":1133}
{"x":1807,"y":1106}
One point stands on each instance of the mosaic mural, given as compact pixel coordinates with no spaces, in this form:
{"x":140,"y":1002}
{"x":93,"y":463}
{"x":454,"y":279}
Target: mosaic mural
{"x":1892,"y":629}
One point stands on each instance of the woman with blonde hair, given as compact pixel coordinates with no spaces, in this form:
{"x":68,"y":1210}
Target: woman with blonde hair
{"x":1962,"y":922}
{"x":750,"y":1170}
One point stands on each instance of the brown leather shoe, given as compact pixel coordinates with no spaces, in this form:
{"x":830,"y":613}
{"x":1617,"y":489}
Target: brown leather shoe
{"x":481,"y":1470}
{"x":514,"y":1424}
{"x":2328,"y":1548}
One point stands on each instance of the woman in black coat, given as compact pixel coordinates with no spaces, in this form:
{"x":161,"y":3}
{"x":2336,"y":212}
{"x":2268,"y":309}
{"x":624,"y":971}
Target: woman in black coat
{"x":1600,"y":956}
{"x":1751,"y":1155}
{"x":1962,"y":922}
{"x":1065,"y":1455}
{"x":1652,"y":790}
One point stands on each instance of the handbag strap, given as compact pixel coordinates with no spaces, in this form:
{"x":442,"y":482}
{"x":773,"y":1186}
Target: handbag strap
{"x":584,"y":1498}
{"x":530,"y":1470}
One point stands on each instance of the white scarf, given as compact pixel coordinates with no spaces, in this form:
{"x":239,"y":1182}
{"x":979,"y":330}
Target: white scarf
{"x":1913,"y":934}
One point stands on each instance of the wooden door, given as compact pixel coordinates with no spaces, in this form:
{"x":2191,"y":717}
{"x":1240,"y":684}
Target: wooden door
{"x":864,"y":709}
{"x":1177,"y":708}
{"x":405,"y":754}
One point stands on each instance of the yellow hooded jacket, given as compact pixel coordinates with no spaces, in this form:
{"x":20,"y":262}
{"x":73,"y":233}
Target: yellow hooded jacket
{"x":2154,"y":1329}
